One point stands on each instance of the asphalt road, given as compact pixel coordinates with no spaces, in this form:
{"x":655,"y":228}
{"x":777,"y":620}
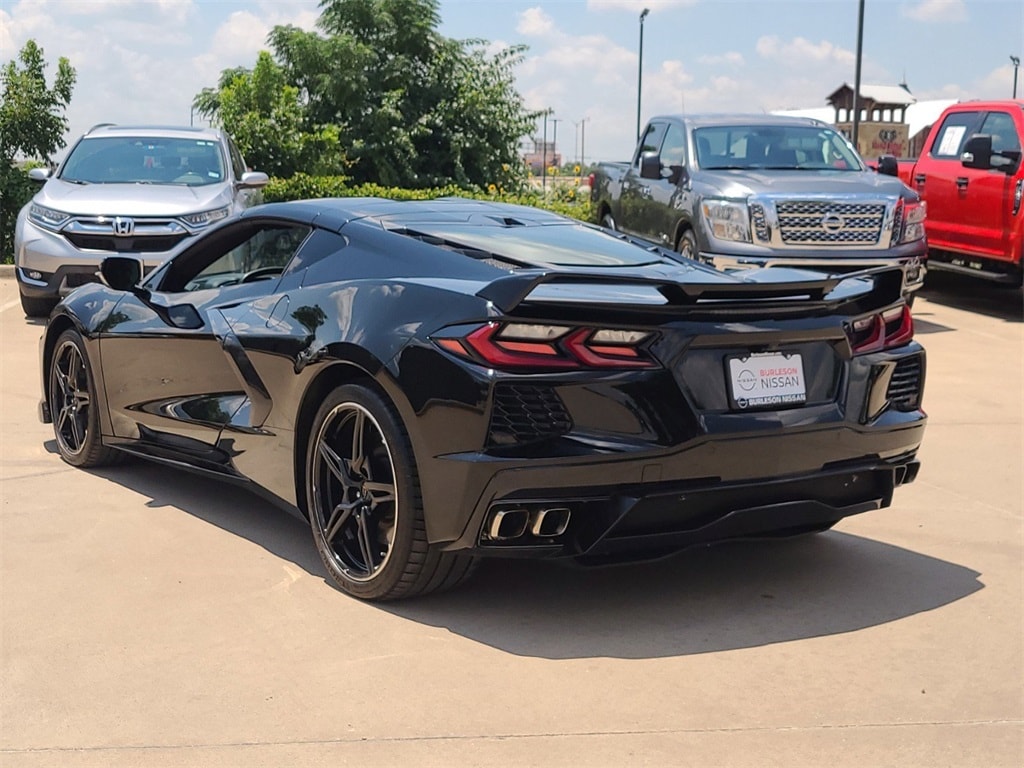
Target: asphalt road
{"x":153,"y":618}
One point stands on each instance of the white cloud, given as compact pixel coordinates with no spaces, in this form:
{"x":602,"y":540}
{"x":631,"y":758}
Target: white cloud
{"x":938,"y":11}
{"x":732,"y":58}
{"x":533,"y":22}
{"x":799,"y":51}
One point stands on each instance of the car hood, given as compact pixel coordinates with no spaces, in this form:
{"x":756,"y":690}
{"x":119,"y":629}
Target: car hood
{"x":131,"y":199}
{"x":739,"y":184}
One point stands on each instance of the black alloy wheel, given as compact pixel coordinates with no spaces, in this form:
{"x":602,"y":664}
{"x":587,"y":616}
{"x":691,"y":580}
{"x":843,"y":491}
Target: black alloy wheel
{"x":364,"y":503}
{"x":608,"y":222}
{"x":73,"y":405}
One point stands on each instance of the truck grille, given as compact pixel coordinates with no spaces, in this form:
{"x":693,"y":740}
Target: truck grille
{"x":904,"y":392}
{"x":526,"y":413}
{"x":811,"y":222}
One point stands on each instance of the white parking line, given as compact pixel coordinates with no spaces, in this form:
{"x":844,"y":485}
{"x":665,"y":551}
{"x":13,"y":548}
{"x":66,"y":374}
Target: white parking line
{"x":10,"y":304}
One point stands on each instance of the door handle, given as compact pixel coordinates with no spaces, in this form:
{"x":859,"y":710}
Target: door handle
{"x":961,"y":183}
{"x":919,"y":179}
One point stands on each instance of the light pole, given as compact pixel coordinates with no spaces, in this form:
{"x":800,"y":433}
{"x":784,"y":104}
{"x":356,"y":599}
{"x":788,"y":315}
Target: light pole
{"x":554,"y":142}
{"x":583,"y":142}
{"x":1016,"y":65}
{"x":544,"y":153}
{"x":640,"y":70}
{"x":856,"y":79}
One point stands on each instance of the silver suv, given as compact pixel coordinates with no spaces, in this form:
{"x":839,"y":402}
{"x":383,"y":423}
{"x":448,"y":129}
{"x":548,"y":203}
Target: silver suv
{"x":125,"y":190}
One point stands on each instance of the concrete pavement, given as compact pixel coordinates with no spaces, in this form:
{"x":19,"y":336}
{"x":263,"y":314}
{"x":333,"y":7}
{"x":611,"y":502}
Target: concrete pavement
{"x":154,"y":618}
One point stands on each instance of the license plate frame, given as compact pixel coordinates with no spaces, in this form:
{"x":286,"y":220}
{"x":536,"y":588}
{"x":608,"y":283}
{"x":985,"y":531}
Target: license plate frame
{"x":765,"y":380}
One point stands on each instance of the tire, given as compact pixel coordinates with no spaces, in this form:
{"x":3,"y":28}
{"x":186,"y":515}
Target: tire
{"x":687,"y":245}
{"x":73,"y":405}
{"x":364,"y":504}
{"x":608,"y":222}
{"x":34,"y":307}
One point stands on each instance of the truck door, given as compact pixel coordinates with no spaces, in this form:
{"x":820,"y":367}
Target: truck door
{"x":636,"y":191}
{"x":669,"y":194}
{"x":936,"y":179}
{"x":987,"y":196}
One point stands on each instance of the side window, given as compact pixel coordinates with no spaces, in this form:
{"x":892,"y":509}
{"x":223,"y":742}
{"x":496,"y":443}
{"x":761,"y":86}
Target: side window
{"x":999,"y":125}
{"x":263,"y":254}
{"x":673,"y":150}
{"x":652,"y":140}
{"x":955,"y":130}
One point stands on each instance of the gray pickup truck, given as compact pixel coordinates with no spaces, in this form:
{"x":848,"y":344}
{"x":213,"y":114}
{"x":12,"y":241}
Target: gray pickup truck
{"x":762,"y":191}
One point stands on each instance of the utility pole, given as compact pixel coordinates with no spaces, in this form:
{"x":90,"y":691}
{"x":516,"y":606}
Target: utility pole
{"x":554,"y":142}
{"x":856,"y":80}
{"x":640,"y":70}
{"x":583,"y":142}
{"x":544,"y":154}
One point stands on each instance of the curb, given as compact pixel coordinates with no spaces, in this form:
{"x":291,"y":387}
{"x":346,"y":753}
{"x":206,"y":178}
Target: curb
{"x":6,"y":271}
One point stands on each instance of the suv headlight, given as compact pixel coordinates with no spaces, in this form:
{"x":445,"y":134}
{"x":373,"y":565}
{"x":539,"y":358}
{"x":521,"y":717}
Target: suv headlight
{"x":913,"y":222}
{"x":47,"y":217}
{"x":727,"y":220}
{"x":206,"y":218}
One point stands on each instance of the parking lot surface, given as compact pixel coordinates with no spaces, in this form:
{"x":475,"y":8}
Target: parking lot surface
{"x":155,"y":618}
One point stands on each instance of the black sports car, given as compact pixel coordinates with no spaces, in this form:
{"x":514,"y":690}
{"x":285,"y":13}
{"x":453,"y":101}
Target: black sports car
{"x":429,"y":382}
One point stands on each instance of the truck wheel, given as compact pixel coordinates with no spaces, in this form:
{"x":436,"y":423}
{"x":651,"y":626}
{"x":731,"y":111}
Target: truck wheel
{"x":687,"y":245}
{"x":608,"y":222}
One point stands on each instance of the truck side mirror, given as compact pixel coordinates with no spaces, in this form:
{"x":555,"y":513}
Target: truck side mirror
{"x":977,"y":152}
{"x":888,"y":166}
{"x":650,"y":165}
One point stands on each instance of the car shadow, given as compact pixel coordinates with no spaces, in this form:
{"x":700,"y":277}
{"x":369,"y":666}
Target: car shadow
{"x":974,"y":295}
{"x":727,"y":597}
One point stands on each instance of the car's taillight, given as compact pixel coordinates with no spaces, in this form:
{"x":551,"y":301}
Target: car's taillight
{"x":519,"y":346}
{"x":893,"y":327}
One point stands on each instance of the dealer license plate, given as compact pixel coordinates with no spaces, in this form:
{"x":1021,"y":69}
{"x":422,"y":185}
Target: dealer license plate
{"x":762,"y":379}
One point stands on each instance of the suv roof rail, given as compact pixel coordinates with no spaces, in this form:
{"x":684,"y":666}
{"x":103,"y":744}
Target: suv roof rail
{"x":99,"y":125}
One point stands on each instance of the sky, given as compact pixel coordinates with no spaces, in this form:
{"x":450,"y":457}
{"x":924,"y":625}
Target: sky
{"x":142,"y":61}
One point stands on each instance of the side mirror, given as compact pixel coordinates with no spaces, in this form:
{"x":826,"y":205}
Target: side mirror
{"x":253,"y":180}
{"x":888,"y":166}
{"x":650,"y":165}
{"x":39,"y":174}
{"x":977,"y":152}
{"x":122,"y":273}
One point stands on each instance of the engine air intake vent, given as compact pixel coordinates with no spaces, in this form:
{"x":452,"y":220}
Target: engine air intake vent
{"x":904,"y":391}
{"x":526,"y":413}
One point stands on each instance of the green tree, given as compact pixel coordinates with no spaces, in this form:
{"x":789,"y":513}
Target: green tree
{"x":265,"y":116}
{"x":411,"y":107}
{"x":32,"y":127}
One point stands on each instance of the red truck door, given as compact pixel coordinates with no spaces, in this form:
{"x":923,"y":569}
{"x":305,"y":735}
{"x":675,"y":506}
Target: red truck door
{"x":936,"y":179}
{"x":970,"y":210}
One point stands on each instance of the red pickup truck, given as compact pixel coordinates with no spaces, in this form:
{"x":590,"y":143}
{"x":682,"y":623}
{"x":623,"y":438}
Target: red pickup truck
{"x":971,"y":177}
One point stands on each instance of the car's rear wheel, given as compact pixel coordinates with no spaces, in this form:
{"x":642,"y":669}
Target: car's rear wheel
{"x":364,"y":504}
{"x":73,"y":405}
{"x":36,"y":307}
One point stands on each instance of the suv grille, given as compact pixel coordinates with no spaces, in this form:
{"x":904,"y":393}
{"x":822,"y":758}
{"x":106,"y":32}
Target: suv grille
{"x":526,"y":413}
{"x":904,"y":392}
{"x":810,"y":222}
{"x":134,"y":244}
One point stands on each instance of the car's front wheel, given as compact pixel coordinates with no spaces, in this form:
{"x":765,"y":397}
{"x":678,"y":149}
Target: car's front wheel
{"x":363,"y":500}
{"x":73,"y":406}
{"x":687,"y":246}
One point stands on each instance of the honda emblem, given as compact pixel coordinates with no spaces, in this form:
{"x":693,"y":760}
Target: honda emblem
{"x":123,"y":226}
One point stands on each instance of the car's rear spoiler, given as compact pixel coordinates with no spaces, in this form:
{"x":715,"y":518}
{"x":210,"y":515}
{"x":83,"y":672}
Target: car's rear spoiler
{"x":872,"y":288}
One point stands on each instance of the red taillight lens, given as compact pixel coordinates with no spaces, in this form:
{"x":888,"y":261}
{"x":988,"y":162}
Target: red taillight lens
{"x":518,"y":346}
{"x":892,"y":328}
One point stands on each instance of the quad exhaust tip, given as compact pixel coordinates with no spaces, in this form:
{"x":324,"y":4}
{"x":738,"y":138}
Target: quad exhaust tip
{"x":508,"y":523}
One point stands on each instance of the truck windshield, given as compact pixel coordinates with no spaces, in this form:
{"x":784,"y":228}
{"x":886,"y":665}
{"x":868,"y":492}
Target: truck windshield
{"x":777,"y":147}
{"x":144,"y":160}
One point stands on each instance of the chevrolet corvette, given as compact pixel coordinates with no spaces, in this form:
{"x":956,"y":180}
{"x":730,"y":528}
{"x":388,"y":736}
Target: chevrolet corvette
{"x":433,"y":382}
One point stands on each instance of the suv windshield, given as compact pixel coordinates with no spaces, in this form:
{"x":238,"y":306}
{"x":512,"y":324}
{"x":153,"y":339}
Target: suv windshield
{"x":788,"y":147}
{"x":144,"y":160}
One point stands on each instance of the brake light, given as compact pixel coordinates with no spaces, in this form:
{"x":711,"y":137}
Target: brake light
{"x":519,"y":346}
{"x":883,"y":330}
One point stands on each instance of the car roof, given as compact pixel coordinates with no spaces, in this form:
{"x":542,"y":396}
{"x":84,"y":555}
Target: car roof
{"x":154,"y":131}
{"x":713,"y":120}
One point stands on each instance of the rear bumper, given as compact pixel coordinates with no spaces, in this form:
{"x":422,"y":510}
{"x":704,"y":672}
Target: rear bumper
{"x":714,"y":490}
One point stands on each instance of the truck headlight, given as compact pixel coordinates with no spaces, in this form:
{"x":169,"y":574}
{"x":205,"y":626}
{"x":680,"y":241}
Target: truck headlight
{"x":47,"y":217}
{"x":913,"y":222}
{"x":727,"y":220}
{"x":206,"y":218}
